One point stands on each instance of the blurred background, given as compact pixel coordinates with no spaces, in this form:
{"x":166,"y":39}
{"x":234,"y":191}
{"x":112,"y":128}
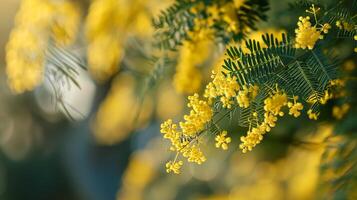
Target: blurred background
{"x":102,"y":140}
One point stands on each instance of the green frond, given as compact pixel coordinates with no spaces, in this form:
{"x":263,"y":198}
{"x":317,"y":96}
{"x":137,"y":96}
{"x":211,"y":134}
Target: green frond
{"x":173,"y":24}
{"x":305,"y":73}
{"x":245,"y":115}
{"x":260,"y":64}
{"x":63,"y":65}
{"x":303,"y":82}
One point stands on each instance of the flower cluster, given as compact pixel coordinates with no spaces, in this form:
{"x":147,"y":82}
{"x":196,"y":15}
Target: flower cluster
{"x":36,"y":22}
{"x":222,"y":140}
{"x":227,"y":89}
{"x":113,"y":129}
{"x":104,"y":37}
{"x":343,"y":25}
{"x":340,"y":111}
{"x":224,"y":87}
{"x":107,"y":25}
{"x":308,"y":34}
{"x":200,"y":114}
{"x":185,"y":141}
{"x":295,"y":107}
{"x":173,"y":167}
{"x":273,"y":108}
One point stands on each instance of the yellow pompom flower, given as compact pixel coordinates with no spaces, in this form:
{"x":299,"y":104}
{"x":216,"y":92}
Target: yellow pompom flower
{"x":224,"y":87}
{"x":306,"y":34}
{"x":274,"y":103}
{"x":295,"y":107}
{"x":25,"y":53}
{"x":253,"y":137}
{"x":312,"y":115}
{"x":193,"y":154}
{"x":246,"y":95}
{"x":174,"y":167}
{"x":200,"y":114}
{"x":222,"y":140}
{"x":103,"y":65}
{"x":339,"y":111}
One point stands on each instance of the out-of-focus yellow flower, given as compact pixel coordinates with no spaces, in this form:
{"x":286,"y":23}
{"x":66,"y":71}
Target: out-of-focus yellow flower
{"x":349,"y":65}
{"x":104,"y":38}
{"x":138,"y":174}
{"x":35,"y":23}
{"x":25,"y":54}
{"x":116,"y":115}
{"x":340,"y":111}
{"x":104,"y":55}
{"x":107,"y":26}
{"x":65,"y":22}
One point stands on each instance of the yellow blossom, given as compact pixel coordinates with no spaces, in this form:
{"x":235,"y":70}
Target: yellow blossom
{"x":224,"y":87}
{"x":339,"y":111}
{"x":200,"y":114}
{"x":327,"y":96}
{"x":122,"y":106}
{"x":272,"y":108}
{"x":295,"y":108}
{"x":307,"y":34}
{"x":253,"y":137}
{"x":270,"y":119}
{"x":312,"y":115}
{"x":274,"y":103}
{"x":174,"y":167}
{"x":246,"y":95}
{"x":193,"y":154}
{"x":222,"y":140}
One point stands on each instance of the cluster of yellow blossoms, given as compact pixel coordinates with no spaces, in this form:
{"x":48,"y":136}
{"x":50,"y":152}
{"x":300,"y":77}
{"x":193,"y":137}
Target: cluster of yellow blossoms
{"x":340,"y":111}
{"x":308,"y":34}
{"x":227,"y":88}
{"x":272,"y":108}
{"x":184,"y":137}
{"x":36,"y":22}
{"x":186,"y":141}
{"x":224,"y":88}
{"x":222,"y":140}
{"x":122,"y":120}
{"x":102,"y":37}
{"x":194,"y":52}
